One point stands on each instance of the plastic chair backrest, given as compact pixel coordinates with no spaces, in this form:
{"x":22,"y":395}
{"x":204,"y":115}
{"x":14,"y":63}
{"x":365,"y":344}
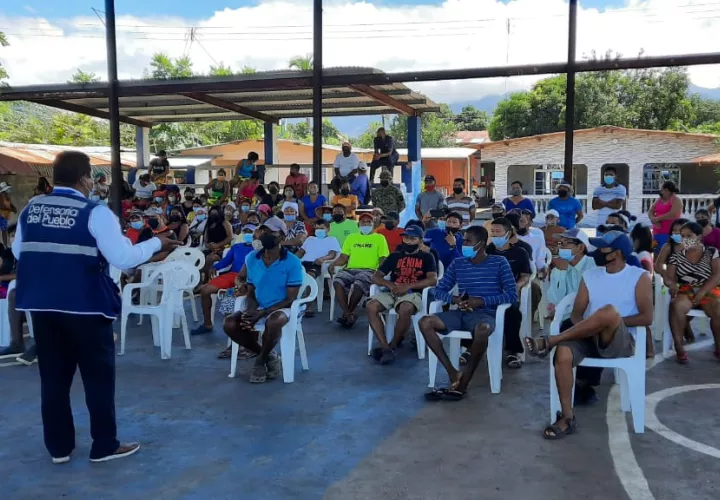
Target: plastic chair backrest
{"x":309,"y":285}
{"x":440,"y":270}
{"x":191,"y":255}
{"x":176,"y":276}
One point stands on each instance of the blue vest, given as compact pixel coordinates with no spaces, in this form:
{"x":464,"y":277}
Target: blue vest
{"x":60,"y":267}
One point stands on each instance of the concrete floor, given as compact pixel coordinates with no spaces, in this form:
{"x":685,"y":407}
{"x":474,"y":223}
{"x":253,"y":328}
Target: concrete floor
{"x":350,"y":430}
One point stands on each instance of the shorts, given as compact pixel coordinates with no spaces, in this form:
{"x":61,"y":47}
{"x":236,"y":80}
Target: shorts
{"x":223,"y":281}
{"x":241,"y":305}
{"x":3,"y":223}
{"x":390,"y":301}
{"x":312,"y":269}
{"x":621,"y":346}
{"x":361,"y":278}
{"x":689,"y":291}
{"x":461,"y":320}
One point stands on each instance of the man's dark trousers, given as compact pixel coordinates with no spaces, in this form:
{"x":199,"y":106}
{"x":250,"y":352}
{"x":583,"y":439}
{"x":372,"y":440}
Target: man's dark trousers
{"x":66,"y":342}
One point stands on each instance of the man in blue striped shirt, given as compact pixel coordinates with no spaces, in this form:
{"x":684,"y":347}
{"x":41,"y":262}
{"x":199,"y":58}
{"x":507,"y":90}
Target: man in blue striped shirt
{"x":484,"y":282}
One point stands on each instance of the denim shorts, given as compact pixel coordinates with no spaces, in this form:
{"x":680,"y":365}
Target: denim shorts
{"x":460,"y":320}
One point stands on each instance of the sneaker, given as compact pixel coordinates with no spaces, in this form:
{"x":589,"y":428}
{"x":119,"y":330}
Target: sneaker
{"x":124,"y":450}
{"x":11,"y":350}
{"x":28,"y":357}
{"x":274,"y":368}
{"x":60,"y":460}
{"x":201,"y":330}
{"x":513,"y":361}
{"x":388,"y":357}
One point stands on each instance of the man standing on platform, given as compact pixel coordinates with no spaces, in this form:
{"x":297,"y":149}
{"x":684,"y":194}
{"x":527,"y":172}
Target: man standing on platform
{"x":64,"y":245}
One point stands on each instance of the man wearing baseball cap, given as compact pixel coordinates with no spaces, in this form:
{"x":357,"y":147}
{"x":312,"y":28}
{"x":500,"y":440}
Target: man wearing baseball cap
{"x":272,"y":277}
{"x":387,"y":196}
{"x":362,"y":254}
{"x":430,"y":199}
{"x":410,"y":271}
{"x":610,"y":299}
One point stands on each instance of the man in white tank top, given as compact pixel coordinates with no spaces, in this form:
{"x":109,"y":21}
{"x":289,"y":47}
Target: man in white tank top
{"x":610,"y":299}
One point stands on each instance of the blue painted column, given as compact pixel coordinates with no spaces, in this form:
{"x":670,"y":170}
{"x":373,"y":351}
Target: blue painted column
{"x":412,"y":173}
{"x":270,"y":145}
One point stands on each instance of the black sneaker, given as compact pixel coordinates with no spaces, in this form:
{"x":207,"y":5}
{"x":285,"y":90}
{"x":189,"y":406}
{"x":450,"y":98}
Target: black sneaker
{"x":28,"y":357}
{"x":11,"y":350}
{"x":388,"y":357}
{"x":201,"y":330}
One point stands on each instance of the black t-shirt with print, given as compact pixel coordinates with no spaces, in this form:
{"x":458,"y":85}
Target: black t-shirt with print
{"x":407,"y":268}
{"x":516,"y":256}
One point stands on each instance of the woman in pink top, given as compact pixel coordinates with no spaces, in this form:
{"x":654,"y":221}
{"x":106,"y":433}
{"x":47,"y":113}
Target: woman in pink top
{"x":663,"y":212}
{"x":711,"y":235}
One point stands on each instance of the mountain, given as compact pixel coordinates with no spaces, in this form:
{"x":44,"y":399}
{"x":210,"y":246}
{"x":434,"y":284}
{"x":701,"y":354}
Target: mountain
{"x":704,"y":92}
{"x":487,"y":103}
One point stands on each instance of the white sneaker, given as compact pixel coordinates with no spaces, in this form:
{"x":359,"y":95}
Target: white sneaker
{"x":61,"y":460}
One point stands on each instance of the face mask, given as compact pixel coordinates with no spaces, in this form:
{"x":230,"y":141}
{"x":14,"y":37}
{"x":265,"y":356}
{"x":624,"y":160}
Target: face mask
{"x":345,"y":192}
{"x":273,"y":190}
{"x":390,"y":225}
{"x":338,"y":217}
{"x":522,"y":231}
{"x":600,"y":258}
{"x":172,"y":199}
{"x":290,"y":218}
{"x":175,"y":218}
{"x":320,"y":233}
{"x":245,"y":208}
{"x":562,"y":193}
{"x":366,"y":230}
{"x":268,"y":241}
{"x":188,"y":197}
{"x":516,"y":191}
{"x":247,"y":238}
{"x":441,"y":224}
{"x":468,"y":251}
{"x":214,"y":216}
{"x":94,"y":197}
{"x":159,"y":199}
{"x":257,"y":245}
{"x":453,"y":230}
{"x":703,"y":222}
{"x":551,"y":223}
{"x":201,"y":217}
{"x":410,"y":248}
{"x":384,"y":183}
{"x":154,"y":224}
{"x":676,"y":238}
{"x":346,"y":151}
{"x":500,"y":241}
{"x":565,"y":253}
{"x":138,"y":224}
{"x":457,"y":190}
{"x":609,"y":179}
{"x":690,"y":243}
{"x":289,"y":194}
{"x":430,"y":188}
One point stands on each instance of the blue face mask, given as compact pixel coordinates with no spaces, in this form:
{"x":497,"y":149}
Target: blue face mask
{"x":138,"y":224}
{"x":245,"y":208}
{"x":94,"y":197}
{"x":441,"y":224}
{"x":468,"y":251}
{"x":565,"y":253}
{"x":290,"y":218}
{"x":366,"y":229}
{"x":609,"y":179}
{"x":327,"y":217}
{"x":499,"y":241}
{"x":201,"y":217}
{"x":677,"y":238}
{"x":320,"y":233}
{"x":247,"y":238}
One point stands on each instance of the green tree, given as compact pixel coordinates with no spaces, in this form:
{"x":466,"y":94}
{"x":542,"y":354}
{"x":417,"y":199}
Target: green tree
{"x":301,"y":63}
{"x":221,"y":70}
{"x":438,"y":129}
{"x":3,"y":43}
{"x":165,"y":68}
{"x":471,"y":118}
{"x":365,"y":140}
{"x":81,"y":76}
{"x":247,"y":70}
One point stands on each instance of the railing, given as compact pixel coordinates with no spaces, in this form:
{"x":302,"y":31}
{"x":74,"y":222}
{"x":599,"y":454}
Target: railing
{"x":691,"y":202}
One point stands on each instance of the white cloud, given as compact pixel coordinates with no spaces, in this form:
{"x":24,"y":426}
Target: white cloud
{"x":455,"y":34}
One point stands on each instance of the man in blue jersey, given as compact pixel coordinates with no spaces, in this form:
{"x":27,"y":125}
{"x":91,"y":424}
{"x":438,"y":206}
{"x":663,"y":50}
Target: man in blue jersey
{"x":65,"y":244}
{"x":484,"y":282}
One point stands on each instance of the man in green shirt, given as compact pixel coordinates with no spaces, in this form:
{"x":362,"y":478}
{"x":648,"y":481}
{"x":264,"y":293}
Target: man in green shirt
{"x":341,"y":227}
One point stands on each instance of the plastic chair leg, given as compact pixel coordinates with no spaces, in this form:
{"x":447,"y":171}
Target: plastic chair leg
{"x":554,"y":396}
{"x":332,"y":302}
{"x":155,"y":331}
{"x":419,"y":339}
{"x":233,"y":360}
{"x":123,"y":332}
{"x":636,"y":385}
{"x":622,"y":378}
{"x":213,"y":308}
{"x":165,"y":334}
{"x":193,"y":306}
{"x":287,"y":351}
{"x":494,"y":358}
{"x":301,"y":347}
{"x":320,"y":280}
{"x":390,"y":322}
{"x":4,"y":324}
{"x":185,"y":330}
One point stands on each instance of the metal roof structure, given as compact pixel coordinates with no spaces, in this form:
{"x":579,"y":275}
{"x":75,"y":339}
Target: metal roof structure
{"x":266,"y":96}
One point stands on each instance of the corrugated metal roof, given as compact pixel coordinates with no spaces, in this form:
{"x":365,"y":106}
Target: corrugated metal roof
{"x":44,"y":154}
{"x":709,"y":159}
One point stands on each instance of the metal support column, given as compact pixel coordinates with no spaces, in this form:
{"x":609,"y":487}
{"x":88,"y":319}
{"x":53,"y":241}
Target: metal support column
{"x":270,"y":148}
{"x":113,"y":106}
{"x":412,"y":173}
{"x":317,"y":90}
{"x":570,"y":92}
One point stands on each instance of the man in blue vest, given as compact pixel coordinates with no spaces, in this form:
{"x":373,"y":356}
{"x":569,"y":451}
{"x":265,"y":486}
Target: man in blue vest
{"x":64,"y":245}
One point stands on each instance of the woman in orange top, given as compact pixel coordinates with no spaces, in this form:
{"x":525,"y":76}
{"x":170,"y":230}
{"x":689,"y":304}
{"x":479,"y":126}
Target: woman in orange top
{"x":349,"y":201}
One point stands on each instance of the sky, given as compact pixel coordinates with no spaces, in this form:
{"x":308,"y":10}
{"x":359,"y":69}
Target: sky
{"x":50,"y":39}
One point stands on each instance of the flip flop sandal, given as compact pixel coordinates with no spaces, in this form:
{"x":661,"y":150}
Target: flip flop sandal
{"x":435,"y":394}
{"x":258,"y":375}
{"x":274,"y":368}
{"x":682,"y":359}
{"x":225,"y":353}
{"x":532,"y":346}
{"x":513,"y":361}
{"x":557,"y":432}
{"x":350,"y":321}
{"x":453,"y":395}
{"x":342,"y":320}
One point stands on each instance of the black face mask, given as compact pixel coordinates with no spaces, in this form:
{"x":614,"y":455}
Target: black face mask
{"x":703,"y":222}
{"x":338,"y":217}
{"x":188,"y":197}
{"x":346,"y":152}
{"x":390,"y":224}
{"x":522,"y":231}
{"x":410,"y":248}
{"x":562,"y":193}
{"x":215,"y":216}
{"x":452,"y":230}
{"x":457,"y":190}
{"x":153,"y":223}
{"x":384,"y":183}
{"x":600,"y":258}
{"x":269,"y":241}
{"x":175,"y":219}
{"x":273,"y":190}
{"x":344,"y":192}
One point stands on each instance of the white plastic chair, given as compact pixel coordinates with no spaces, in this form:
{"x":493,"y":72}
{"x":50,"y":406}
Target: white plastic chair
{"x":176,"y":277}
{"x":332,"y":292}
{"x":629,"y":372}
{"x":291,"y":331}
{"x":5,"y":337}
{"x":321,"y":280}
{"x":494,"y":349}
{"x":661,"y":317}
{"x":660,"y":291}
{"x":195,"y":257}
{"x":390,"y":320}
{"x":544,"y":285}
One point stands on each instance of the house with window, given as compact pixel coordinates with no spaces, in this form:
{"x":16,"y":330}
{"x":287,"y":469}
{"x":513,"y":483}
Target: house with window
{"x":644,"y":159}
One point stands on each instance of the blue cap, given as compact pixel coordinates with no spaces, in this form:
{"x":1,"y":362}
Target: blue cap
{"x":413,"y":231}
{"x":616,"y":240}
